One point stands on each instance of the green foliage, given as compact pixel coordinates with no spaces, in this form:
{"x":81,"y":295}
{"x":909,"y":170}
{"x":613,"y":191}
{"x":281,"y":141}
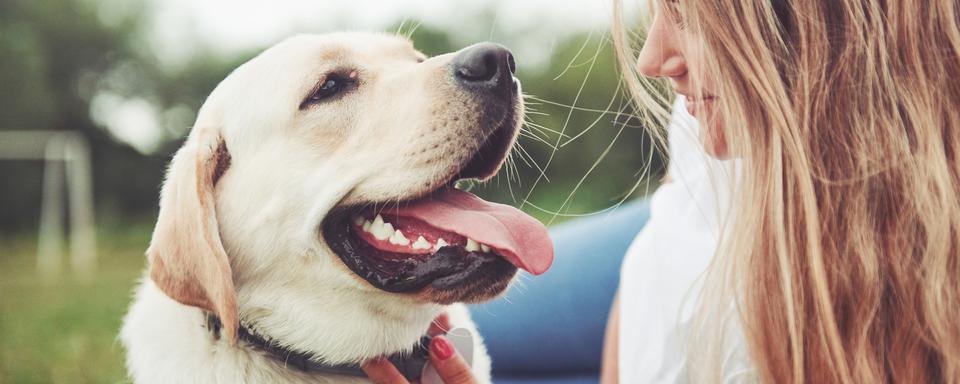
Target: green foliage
{"x":56,"y":55}
{"x":64,"y":331}
{"x":52,"y":56}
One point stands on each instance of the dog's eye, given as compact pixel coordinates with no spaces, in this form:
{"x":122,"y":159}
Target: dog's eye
{"x":332,"y":85}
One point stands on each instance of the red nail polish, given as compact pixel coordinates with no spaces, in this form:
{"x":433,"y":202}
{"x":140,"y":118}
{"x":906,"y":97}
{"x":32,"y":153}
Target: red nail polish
{"x":441,"y":348}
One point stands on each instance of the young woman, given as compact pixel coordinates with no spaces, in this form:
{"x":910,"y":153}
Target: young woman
{"x":839,"y":259}
{"x":842,"y":257}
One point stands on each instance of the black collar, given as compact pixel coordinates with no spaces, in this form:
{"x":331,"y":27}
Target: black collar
{"x":410,"y":365}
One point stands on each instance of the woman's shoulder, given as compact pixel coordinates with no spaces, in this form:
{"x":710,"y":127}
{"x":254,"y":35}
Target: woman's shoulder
{"x":660,"y":274}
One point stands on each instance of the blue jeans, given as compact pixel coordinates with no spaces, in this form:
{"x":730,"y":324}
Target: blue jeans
{"x":549,"y":328}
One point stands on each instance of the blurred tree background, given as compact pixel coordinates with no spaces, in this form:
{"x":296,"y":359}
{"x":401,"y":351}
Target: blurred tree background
{"x":70,"y":64}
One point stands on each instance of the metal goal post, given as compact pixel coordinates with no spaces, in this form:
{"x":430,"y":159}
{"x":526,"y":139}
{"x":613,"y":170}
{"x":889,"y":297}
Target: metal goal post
{"x":66,"y":157}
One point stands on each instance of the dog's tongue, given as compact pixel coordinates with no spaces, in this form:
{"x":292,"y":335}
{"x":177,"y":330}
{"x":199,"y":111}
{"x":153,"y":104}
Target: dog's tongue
{"x":521,"y":239}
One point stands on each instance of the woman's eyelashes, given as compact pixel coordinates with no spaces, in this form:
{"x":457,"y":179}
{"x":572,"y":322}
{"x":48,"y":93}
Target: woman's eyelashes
{"x":676,"y":13}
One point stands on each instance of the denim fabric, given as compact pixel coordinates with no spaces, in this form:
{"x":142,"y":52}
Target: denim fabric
{"x":549,"y":328}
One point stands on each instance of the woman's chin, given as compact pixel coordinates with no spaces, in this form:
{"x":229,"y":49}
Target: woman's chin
{"x":719,"y":153}
{"x":715,"y":144}
{"x":711,"y":133}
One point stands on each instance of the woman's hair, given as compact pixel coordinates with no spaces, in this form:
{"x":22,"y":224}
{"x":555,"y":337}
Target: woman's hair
{"x":842,"y":261}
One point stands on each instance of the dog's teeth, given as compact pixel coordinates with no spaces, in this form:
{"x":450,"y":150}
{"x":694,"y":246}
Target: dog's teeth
{"x":472,"y":245}
{"x":381,"y":230}
{"x":378,"y":231}
{"x":380,"y":235}
{"x":484,"y":248}
{"x":398,"y":238}
{"x":366,"y":225}
{"x":441,"y":243}
{"x":385,"y":231}
{"x":358,"y":221}
{"x":376,"y":228}
{"x":421,"y":243}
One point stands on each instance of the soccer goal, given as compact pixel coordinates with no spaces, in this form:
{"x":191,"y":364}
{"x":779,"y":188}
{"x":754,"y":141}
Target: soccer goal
{"x":66,"y":158}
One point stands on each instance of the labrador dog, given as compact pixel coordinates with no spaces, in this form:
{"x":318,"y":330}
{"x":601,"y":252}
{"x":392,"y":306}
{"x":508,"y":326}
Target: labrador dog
{"x":310,"y":219}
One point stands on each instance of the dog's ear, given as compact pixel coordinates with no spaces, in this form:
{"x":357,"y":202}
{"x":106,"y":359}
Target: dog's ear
{"x":187,"y":259}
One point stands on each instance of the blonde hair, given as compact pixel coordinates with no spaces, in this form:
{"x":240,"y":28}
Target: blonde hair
{"x":843,"y":259}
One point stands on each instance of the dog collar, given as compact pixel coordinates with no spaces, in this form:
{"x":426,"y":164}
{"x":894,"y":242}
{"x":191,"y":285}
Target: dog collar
{"x":409,"y":364}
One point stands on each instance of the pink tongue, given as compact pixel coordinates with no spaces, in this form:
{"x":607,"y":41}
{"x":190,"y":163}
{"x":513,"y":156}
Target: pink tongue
{"x":521,"y":239}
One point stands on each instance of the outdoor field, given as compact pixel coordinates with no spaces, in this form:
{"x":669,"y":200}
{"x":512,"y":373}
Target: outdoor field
{"x":634,"y":191}
{"x":65,"y":331}
{"x":98,"y":95}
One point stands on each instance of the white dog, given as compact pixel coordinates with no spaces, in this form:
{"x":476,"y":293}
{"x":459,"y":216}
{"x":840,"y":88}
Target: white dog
{"x":309,"y":220}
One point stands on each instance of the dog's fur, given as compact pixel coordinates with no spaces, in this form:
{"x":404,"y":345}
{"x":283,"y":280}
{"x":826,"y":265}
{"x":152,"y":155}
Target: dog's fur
{"x":238,"y":231}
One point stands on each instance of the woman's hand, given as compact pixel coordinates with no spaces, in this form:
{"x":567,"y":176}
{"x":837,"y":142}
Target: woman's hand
{"x":444,"y":358}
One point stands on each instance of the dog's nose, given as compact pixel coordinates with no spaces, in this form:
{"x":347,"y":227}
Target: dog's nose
{"x":486,"y":65}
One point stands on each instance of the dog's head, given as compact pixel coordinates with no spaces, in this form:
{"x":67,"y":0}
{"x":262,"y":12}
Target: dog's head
{"x":315,"y":192}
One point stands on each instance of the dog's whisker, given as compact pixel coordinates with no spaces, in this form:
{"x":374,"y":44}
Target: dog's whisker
{"x":538,"y":139}
{"x":511,"y":171}
{"x":399,"y":30}
{"x":531,"y":126}
{"x":530,"y":100}
{"x":516,"y":171}
{"x":522,"y":158}
{"x":544,"y":130}
{"x":408,"y":33}
{"x":506,"y":168}
{"x":568,"y":106}
{"x":414,"y":30}
{"x":600,"y":158}
{"x":527,"y":157}
{"x":543,"y":174}
{"x":566,"y":123}
{"x":597,"y":120}
{"x":570,"y":215}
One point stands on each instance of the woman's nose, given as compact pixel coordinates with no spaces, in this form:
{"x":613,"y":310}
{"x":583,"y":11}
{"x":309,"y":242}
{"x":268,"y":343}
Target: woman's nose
{"x":661,"y":55}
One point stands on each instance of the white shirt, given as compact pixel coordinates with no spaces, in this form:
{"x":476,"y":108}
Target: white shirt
{"x":661,"y":273}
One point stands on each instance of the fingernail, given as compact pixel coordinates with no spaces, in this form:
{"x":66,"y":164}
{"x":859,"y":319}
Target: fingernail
{"x":441,"y":348}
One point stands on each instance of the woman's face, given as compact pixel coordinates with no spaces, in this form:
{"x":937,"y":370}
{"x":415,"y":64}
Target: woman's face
{"x":668,"y":52}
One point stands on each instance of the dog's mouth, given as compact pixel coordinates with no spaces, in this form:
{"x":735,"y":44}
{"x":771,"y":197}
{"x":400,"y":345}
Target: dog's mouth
{"x":449,"y":241}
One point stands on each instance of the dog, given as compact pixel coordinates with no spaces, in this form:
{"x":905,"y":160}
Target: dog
{"x":310,"y":219}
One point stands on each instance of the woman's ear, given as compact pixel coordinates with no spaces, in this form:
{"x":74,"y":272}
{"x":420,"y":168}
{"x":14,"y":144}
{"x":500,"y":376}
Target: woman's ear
{"x":187,"y":258}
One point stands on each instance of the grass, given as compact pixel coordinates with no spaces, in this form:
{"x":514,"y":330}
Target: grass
{"x":65,"y":331}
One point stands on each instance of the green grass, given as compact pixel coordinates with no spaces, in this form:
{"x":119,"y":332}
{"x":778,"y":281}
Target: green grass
{"x":65,"y":331}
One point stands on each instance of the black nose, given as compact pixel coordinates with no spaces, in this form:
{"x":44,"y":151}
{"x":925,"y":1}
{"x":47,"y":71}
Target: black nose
{"x":486,"y":65}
